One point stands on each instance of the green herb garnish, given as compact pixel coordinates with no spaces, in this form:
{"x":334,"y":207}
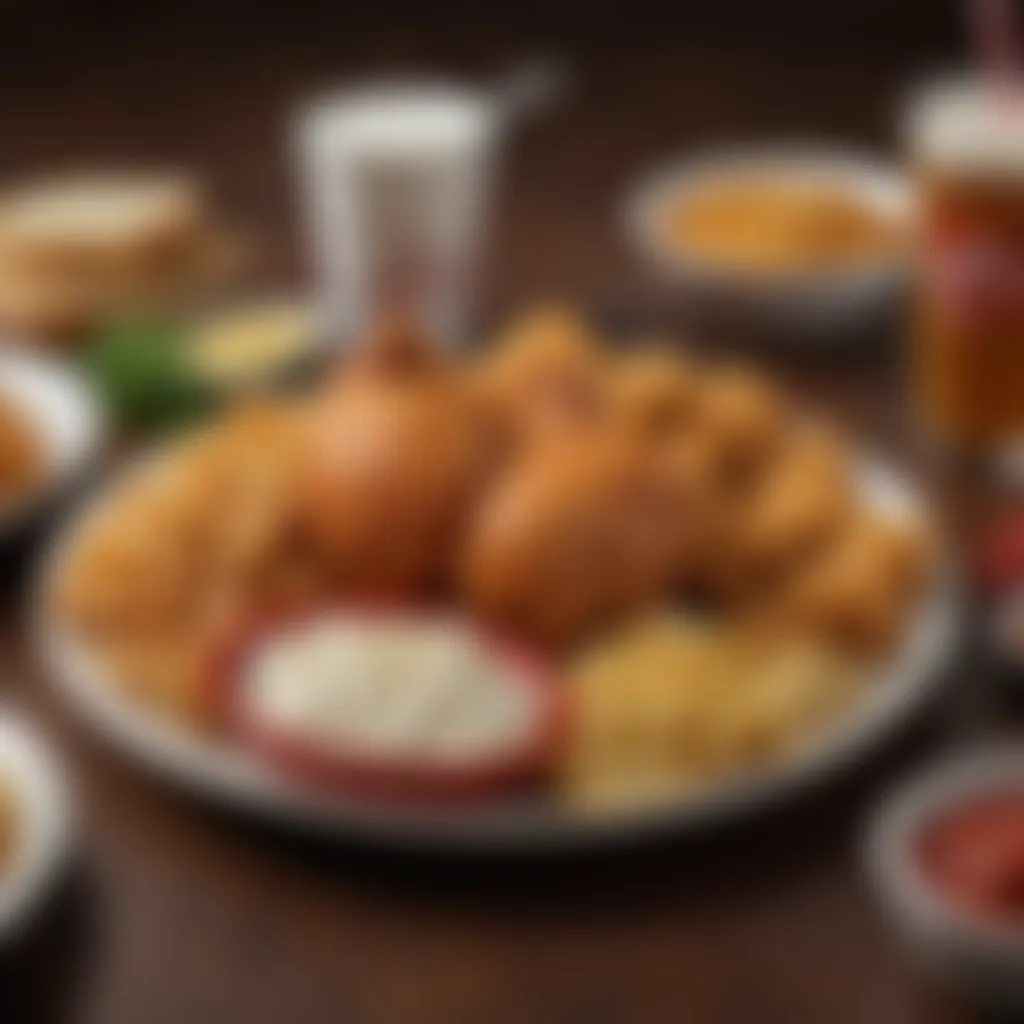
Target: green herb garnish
{"x":140,"y":367}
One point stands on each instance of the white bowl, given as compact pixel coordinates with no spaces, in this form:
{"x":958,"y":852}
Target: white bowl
{"x":67,"y":419}
{"x":799,"y":305}
{"x":983,"y":958}
{"x":43,"y":822}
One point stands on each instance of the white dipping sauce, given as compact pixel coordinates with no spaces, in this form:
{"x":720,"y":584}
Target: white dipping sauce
{"x":423,"y":691}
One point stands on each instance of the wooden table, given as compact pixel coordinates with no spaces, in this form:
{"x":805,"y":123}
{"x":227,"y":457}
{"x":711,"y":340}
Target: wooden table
{"x":179,"y":913}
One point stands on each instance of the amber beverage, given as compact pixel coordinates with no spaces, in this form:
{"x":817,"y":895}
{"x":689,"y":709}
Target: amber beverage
{"x":968,"y":335}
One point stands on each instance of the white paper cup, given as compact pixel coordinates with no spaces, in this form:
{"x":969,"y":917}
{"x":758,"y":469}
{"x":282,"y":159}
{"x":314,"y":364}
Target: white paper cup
{"x":395,"y":179}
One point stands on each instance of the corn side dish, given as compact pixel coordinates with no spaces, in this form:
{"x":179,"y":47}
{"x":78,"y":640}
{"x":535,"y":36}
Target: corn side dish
{"x":674,"y":702}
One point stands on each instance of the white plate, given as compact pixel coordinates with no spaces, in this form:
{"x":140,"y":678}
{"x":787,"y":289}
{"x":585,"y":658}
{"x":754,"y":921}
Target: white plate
{"x":795,"y":305}
{"x":43,"y":824}
{"x":66,"y":418}
{"x":217,"y":770}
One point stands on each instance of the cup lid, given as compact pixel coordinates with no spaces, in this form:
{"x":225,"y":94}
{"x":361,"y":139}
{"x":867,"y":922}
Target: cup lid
{"x":968,"y":125}
{"x":398,"y":116}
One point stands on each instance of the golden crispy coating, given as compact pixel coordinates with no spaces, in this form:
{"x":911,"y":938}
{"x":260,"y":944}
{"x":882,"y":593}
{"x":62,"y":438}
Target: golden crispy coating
{"x":901,"y":548}
{"x":798,"y":501}
{"x":855,"y":594}
{"x":394,"y":456}
{"x":790,"y":508}
{"x":190,"y":541}
{"x":543,"y":375}
{"x":654,"y":393}
{"x":164,"y":673}
{"x":689,"y":467}
{"x":548,"y":340}
{"x":744,"y":415}
{"x":568,"y":537}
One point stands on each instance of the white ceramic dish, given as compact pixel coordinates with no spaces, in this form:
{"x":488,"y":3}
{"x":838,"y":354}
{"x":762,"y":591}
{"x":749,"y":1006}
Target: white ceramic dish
{"x":225,"y":774}
{"x":799,"y":306}
{"x":984,"y":959}
{"x":66,"y":417}
{"x":43,"y":821}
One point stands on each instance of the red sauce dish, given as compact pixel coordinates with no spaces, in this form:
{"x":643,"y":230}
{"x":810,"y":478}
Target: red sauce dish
{"x":371,"y":774}
{"x":972,"y":853}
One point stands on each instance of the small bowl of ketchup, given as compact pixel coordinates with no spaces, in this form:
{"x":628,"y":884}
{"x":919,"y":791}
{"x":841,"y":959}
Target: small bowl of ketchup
{"x":947,"y":856}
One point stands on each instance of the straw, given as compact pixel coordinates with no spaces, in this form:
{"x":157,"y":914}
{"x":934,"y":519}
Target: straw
{"x":529,"y":88}
{"x":993,"y":30}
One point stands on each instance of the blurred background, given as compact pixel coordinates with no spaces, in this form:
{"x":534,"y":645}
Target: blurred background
{"x":213,"y":86}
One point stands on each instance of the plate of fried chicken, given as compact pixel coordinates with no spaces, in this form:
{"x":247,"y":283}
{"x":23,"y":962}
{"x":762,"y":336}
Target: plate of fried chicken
{"x":725,"y":597}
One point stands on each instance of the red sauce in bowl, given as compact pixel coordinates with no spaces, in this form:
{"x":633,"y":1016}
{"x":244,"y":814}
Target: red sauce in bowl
{"x":974,"y":854}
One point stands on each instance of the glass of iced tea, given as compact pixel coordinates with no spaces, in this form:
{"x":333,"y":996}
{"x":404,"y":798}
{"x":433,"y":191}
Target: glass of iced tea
{"x":967,"y":146}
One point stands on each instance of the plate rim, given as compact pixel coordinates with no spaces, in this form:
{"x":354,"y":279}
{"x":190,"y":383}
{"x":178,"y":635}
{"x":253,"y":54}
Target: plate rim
{"x":67,"y":461}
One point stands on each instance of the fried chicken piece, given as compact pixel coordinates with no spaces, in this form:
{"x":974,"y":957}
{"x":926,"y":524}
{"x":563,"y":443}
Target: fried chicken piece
{"x":902,"y":548}
{"x":165,"y":673}
{"x":745,"y":417}
{"x":791,"y":509}
{"x":655,"y":393}
{"x":138,"y":562}
{"x":690,"y":471}
{"x":543,"y":376}
{"x":800,"y":499}
{"x":395,"y":454}
{"x":856,"y":592}
{"x":194,"y":540}
{"x":571,"y":536}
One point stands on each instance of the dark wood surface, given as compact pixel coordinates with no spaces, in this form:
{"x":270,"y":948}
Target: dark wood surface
{"x":179,"y":913}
